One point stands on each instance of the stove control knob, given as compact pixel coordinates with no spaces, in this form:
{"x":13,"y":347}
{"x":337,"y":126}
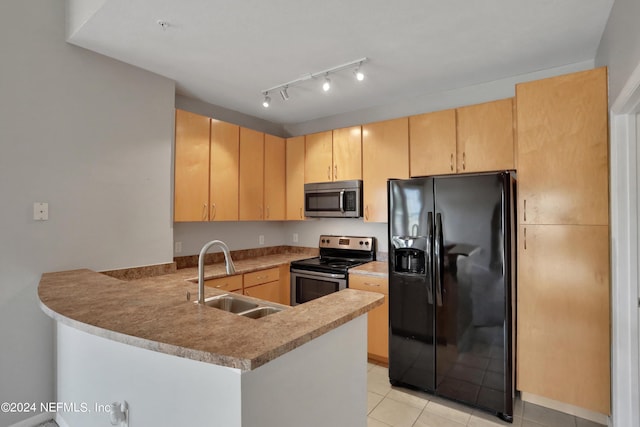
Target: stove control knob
{"x":328,"y":241}
{"x":361,"y":243}
{"x":323,"y":240}
{"x":367,"y":243}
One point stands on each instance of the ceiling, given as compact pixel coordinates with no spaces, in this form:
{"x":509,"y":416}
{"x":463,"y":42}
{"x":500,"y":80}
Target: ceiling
{"x":226,"y":52}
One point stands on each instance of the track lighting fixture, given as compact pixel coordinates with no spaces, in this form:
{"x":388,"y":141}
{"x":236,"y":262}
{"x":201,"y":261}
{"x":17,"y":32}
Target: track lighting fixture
{"x":284,"y":94}
{"x":358,"y":73}
{"x":326,"y":84}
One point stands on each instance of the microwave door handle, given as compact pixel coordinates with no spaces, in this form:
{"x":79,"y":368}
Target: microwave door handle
{"x":342,"y":201}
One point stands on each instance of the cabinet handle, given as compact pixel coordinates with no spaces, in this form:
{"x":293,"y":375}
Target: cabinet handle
{"x":377,"y":285}
{"x":222,"y":285}
{"x":525,"y":210}
{"x":261,"y":210}
{"x":451,"y":162}
{"x":204,"y":212}
{"x":329,"y":172}
{"x":366,"y":212}
{"x":464,"y":157}
{"x":300,"y":213}
{"x":525,"y":238}
{"x":335,"y":172}
{"x":213,"y":211}
{"x":267,"y":212}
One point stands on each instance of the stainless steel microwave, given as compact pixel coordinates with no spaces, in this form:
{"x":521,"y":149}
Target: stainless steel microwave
{"x":338,"y":199}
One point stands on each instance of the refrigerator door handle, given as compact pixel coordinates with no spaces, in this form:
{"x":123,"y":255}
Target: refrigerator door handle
{"x":438,"y":259}
{"x":429,"y":258}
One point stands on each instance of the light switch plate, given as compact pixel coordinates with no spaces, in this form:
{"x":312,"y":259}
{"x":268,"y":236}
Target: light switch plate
{"x":40,"y":211}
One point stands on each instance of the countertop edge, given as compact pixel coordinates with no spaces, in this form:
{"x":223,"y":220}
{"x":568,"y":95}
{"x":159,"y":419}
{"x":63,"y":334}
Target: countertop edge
{"x":330,"y":312}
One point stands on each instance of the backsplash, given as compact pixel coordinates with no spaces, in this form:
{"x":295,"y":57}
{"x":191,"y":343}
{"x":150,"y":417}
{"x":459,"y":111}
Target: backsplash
{"x":215,"y":257}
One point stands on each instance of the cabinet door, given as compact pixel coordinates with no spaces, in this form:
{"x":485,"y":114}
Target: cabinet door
{"x":223,"y":177}
{"x":318,"y":157}
{"x":191,"y":179}
{"x":385,"y":154}
{"x":274,"y":178}
{"x":267,"y":291}
{"x":432,"y":142}
{"x":485,"y":137}
{"x":563,"y":314}
{"x":285,"y":284}
{"x":563,"y":149}
{"x":378,"y":318}
{"x":251,"y":174}
{"x":227,"y":283}
{"x":295,"y":178}
{"x":347,"y":153}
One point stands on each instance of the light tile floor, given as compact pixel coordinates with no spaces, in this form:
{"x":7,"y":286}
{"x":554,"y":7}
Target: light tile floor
{"x":400,"y":407}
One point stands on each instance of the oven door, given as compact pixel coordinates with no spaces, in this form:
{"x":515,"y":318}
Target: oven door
{"x":309,"y":285}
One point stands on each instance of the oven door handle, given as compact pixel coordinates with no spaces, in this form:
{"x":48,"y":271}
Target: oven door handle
{"x":341,"y":202}
{"x":312,"y":274}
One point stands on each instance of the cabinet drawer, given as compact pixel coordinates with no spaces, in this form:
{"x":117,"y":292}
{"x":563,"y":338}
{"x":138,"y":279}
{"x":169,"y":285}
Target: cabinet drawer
{"x":228,"y":283}
{"x":262,"y":276}
{"x":369,"y":283}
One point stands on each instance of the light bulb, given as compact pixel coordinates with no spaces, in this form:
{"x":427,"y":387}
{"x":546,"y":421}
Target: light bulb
{"x":359,"y":75}
{"x":266,"y":101}
{"x":326,"y":85}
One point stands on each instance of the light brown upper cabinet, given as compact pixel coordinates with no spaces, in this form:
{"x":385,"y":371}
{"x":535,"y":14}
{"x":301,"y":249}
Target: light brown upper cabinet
{"x":485,"y":137}
{"x":432,"y":139}
{"x":191,"y":179}
{"x":347,"y":153}
{"x":223,"y":175}
{"x":385,"y":154}
{"x":563,"y":149}
{"x":334,"y":155}
{"x":274,"y":178}
{"x":251,"y":175}
{"x":318,"y":163}
{"x":295,"y":178}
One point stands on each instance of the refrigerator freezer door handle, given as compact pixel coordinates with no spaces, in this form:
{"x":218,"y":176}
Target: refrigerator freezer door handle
{"x":429,"y":259}
{"x":437,"y":259}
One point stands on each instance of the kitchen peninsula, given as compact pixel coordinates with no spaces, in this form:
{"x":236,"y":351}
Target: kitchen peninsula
{"x":179,"y":363}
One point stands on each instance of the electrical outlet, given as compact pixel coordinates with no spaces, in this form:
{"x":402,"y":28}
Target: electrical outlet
{"x":295,"y":237}
{"x":40,"y":211}
{"x":261,"y":239}
{"x":178,"y":247}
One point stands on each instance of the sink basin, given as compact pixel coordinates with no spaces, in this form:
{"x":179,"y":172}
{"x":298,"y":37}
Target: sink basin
{"x":229,"y":303}
{"x":257,"y":313}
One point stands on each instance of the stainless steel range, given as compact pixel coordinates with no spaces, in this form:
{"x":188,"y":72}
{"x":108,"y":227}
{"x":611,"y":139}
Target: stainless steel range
{"x":313,"y":278}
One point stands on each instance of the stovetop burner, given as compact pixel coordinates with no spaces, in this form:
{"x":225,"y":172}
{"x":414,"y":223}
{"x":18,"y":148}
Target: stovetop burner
{"x":338,"y":254}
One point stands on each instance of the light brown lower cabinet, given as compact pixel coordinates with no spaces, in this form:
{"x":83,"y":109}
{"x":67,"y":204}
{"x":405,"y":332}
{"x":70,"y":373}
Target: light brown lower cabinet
{"x":227,"y":283}
{"x":378,"y":318}
{"x":564,"y":314}
{"x":263,"y":284}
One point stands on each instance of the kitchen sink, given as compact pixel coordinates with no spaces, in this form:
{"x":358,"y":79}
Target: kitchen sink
{"x":259,"y":312}
{"x":229,"y":303}
{"x":241,"y":306}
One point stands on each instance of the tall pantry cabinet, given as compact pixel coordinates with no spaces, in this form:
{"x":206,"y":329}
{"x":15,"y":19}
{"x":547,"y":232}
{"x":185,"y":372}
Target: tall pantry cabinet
{"x":563,"y":240}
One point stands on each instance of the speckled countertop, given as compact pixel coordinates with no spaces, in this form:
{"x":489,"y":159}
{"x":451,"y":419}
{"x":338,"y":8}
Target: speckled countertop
{"x":374,"y":268}
{"x":153,"y":313}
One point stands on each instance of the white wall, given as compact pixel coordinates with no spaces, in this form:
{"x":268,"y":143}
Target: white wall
{"x":620,"y":45}
{"x":92,"y":137}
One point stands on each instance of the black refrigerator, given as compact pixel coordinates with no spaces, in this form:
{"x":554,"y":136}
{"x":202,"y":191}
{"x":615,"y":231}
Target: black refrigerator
{"x":452,"y":287}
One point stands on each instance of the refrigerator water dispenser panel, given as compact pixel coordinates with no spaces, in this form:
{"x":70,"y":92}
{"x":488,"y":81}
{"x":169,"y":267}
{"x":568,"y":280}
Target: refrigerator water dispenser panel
{"x":410,"y":261}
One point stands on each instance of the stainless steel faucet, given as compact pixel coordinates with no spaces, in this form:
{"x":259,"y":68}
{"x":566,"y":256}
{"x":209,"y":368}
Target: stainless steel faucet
{"x":228,"y":264}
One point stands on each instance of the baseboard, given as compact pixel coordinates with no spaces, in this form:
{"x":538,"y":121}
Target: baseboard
{"x":34,"y":421}
{"x":596,"y":417}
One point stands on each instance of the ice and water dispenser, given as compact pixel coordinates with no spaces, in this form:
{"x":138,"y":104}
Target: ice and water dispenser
{"x":410,"y":254}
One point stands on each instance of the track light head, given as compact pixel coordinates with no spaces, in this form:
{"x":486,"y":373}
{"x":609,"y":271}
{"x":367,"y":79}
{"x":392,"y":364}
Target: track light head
{"x":358,"y":73}
{"x":327,"y":83}
{"x":284,"y":94}
{"x":266,"y":101}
